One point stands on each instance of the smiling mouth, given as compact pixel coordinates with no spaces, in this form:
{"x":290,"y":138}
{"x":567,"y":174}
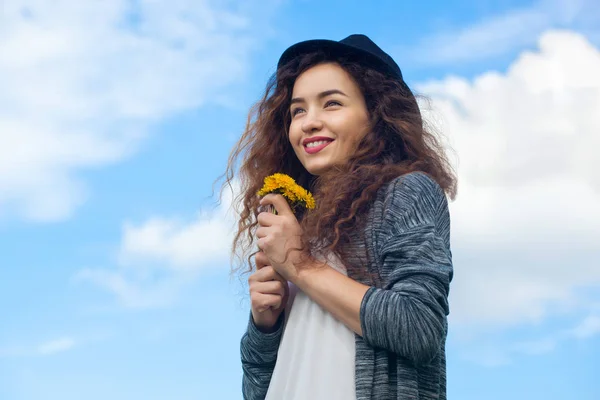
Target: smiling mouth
{"x":312,"y":149}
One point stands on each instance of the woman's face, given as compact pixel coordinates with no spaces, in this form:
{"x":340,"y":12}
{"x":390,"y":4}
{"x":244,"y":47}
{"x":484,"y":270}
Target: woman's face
{"x":328,"y":110}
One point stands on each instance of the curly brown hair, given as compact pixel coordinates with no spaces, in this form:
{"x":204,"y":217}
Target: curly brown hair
{"x":397,"y":143}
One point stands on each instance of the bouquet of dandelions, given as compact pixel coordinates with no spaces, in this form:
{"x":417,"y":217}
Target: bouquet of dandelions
{"x":284,"y":185}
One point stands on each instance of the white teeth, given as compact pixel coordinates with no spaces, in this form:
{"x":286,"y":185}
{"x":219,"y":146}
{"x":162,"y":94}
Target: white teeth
{"x":315,"y":144}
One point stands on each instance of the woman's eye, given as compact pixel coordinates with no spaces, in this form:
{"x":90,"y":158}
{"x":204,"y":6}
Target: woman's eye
{"x":296,"y":111}
{"x":332,"y":103}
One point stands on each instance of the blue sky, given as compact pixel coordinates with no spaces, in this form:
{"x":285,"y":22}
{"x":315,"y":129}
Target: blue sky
{"x":117,"y":116}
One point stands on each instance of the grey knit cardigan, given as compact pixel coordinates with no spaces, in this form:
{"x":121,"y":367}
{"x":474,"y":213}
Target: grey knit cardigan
{"x":401,"y":353}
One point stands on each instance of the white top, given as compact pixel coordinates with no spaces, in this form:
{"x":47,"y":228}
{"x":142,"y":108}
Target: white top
{"x":315,"y":360}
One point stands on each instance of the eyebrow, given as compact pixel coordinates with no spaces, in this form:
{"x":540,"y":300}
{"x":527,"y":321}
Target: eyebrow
{"x":320,"y":96}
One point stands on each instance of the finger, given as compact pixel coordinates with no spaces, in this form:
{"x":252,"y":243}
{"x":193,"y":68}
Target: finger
{"x":262,"y":232}
{"x":269,"y":287}
{"x":266,"y":219}
{"x":279,"y":202}
{"x":277,"y":276}
{"x":261,"y":260}
{"x":262,"y":302}
{"x":266,"y":273}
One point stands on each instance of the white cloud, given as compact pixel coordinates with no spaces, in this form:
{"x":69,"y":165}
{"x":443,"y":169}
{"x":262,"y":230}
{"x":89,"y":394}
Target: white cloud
{"x":56,"y":346}
{"x":133,"y":289}
{"x":536,"y":347}
{"x":176,"y":243}
{"x":499,"y":34}
{"x":160,"y":256}
{"x":82,"y":82}
{"x":495,"y":351}
{"x":43,"y":349}
{"x":587,"y":328}
{"x":526,"y":219}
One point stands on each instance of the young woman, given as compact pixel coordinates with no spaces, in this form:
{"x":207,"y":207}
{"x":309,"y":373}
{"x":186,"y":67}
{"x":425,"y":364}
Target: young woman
{"x":348,"y":300}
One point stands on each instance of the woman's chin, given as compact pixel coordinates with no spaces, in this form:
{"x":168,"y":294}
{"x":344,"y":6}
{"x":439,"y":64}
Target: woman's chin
{"x":316,"y":170}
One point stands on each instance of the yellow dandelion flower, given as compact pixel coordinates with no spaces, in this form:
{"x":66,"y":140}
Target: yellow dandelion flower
{"x":286,"y":186}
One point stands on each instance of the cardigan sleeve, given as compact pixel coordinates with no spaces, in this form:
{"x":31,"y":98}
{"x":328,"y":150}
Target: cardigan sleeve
{"x":408,"y":316}
{"x":259,"y":353}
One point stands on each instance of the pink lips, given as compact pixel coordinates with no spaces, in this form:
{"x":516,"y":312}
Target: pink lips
{"x":313,"y":150}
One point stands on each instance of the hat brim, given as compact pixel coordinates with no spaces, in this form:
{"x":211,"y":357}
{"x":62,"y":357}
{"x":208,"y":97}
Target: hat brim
{"x":337,"y":49}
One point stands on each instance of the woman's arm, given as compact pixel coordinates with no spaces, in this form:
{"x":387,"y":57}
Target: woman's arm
{"x":259,"y":353}
{"x":339,"y":295}
{"x":408,"y":316}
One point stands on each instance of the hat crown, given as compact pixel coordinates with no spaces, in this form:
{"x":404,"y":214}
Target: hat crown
{"x":364,"y":43}
{"x":357,"y":38}
{"x":359,"y":46}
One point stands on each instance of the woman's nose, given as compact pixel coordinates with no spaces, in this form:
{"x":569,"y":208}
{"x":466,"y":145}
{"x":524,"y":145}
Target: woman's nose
{"x":312,"y":122}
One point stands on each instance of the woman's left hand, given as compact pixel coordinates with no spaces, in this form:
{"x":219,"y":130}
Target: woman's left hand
{"x":278,"y":234}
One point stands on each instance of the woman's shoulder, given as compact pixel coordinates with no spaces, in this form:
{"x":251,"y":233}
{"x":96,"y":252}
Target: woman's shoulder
{"x":413,"y":188}
{"x":405,"y":199}
{"x":410,"y":201}
{"x":414,"y":183}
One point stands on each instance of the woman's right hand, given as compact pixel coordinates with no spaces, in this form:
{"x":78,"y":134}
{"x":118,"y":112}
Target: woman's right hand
{"x":268,"y":294}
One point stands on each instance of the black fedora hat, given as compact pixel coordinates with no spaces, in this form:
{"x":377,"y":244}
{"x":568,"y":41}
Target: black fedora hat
{"x":357,"y":46}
